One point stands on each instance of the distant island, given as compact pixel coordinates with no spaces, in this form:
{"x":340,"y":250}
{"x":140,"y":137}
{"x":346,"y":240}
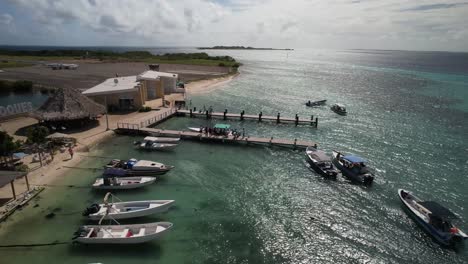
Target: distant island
{"x":238,"y":48}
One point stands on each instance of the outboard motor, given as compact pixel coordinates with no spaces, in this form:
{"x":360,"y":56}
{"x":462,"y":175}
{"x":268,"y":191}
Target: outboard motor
{"x":368,"y":179}
{"x":94,"y":208}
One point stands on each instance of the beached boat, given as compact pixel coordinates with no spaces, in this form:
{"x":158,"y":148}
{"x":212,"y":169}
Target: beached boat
{"x":315,"y":103}
{"x":120,"y":183}
{"x":339,"y":109}
{"x":321,"y":162}
{"x":125,"y":210}
{"x":173,"y":140}
{"x":134,"y":167}
{"x":433,"y":218}
{"x":121,"y":234}
{"x":353,"y":167}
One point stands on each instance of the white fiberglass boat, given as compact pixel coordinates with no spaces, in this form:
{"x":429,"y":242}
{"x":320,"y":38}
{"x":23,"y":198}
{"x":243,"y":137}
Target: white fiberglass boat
{"x":125,"y":210}
{"x":149,"y":144}
{"x":119,"y":183}
{"x":162,"y":139}
{"x":134,"y":167}
{"x":121,"y":234}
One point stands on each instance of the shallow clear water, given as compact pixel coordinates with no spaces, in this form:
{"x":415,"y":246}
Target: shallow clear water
{"x":235,"y":204}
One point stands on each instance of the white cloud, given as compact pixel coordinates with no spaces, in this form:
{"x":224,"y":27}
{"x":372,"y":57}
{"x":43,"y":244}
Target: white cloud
{"x":6,"y":19}
{"x":425,"y":24}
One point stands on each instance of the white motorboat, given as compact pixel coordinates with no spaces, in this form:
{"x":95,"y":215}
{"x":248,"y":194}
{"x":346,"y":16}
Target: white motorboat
{"x":120,"y":183}
{"x":195,"y":129}
{"x":121,"y":234}
{"x":134,"y":167}
{"x":125,"y":210}
{"x":162,"y":139}
{"x":153,"y":145}
{"x":434,"y":218}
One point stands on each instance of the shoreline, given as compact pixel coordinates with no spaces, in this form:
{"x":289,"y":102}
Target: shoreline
{"x":208,"y":85}
{"x":86,"y":140}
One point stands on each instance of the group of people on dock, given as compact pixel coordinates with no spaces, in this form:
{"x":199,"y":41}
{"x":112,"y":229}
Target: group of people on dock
{"x":214,"y":131}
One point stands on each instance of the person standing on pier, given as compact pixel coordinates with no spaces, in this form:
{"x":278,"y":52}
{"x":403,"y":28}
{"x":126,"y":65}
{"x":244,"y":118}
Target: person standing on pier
{"x":70,"y":150}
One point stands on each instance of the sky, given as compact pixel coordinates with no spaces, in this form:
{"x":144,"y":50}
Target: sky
{"x":327,"y":24}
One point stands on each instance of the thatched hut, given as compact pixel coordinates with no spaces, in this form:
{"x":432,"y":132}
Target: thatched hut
{"x":68,"y":107}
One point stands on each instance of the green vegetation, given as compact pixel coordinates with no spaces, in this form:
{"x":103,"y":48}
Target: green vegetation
{"x":8,"y":146}
{"x":37,"y":134}
{"x":12,"y":64}
{"x":238,"y":48}
{"x":199,"y":58}
{"x":16,"y":86}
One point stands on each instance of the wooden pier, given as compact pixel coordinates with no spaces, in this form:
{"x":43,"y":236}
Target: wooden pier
{"x":242,"y":116}
{"x":196,"y":136}
{"x":141,"y":126}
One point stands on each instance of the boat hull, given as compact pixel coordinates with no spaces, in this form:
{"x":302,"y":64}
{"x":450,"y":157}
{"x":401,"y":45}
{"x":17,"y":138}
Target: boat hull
{"x":144,"y":181}
{"x":440,"y":237}
{"x":137,"y":239}
{"x":162,"y":207}
{"x":319,"y":170}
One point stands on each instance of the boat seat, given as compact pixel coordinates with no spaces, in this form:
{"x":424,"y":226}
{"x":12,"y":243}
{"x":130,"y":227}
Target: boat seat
{"x":124,"y":232}
{"x":142,"y":232}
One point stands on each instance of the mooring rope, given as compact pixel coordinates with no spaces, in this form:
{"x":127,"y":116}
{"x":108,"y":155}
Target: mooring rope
{"x":37,"y":245}
{"x":82,"y":168}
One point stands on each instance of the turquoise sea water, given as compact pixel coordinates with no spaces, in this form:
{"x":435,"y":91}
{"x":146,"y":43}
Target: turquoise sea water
{"x":408,"y":116}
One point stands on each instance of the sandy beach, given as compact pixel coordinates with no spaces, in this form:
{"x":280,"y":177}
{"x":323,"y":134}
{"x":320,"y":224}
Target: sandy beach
{"x":206,"y":86}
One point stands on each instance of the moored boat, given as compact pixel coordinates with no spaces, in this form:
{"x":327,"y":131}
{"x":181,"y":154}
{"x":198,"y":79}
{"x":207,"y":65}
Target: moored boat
{"x":339,"y":109}
{"x":353,"y":167}
{"x":321,"y":162}
{"x":433,"y":218}
{"x":120,"y":183}
{"x":151,"y":145}
{"x":125,"y":210}
{"x":134,"y":167}
{"x":121,"y":234}
{"x":162,"y":139}
{"x":195,"y":129}
{"x":315,"y":103}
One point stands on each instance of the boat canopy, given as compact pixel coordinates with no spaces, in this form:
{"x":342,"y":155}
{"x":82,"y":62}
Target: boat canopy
{"x":222,"y":126}
{"x":354,"y":159}
{"x":438,"y":210}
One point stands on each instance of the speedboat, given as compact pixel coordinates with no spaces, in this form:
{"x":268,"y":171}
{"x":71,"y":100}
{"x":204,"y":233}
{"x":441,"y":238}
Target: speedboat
{"x":433,"y":218}
{"x":353,"y":167}
{"x":339,"y":109}
{"x":125,"y":210}
{"x":162,"y":139}
{"x":121,"y":234}
{"x":316,"y":103}
{"x":134,"y":167}
{"x":121,"y":183}
{"x":152,"y":145}
{"x":196,"y":129}
{"x":321,"y":162}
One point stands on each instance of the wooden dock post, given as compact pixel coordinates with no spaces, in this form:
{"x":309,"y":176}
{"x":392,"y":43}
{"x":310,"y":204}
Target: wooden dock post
{"x":297,"y":120}
{"x":316,"y":122}
{"x":278,"y":116}
{"x":312,"y":120}
{"x":224,"y":115}
{"x":207,"y":115}
{"x":191,"y":113}
{"x":295,"y":143}
{"x":242,"y":115}
{"x":260,"y":117}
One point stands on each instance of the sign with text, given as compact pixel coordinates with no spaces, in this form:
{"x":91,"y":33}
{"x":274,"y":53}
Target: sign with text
{"x":15,"y":109}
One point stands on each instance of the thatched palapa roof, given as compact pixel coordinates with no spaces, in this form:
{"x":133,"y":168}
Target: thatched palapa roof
{"x":68,"y":104}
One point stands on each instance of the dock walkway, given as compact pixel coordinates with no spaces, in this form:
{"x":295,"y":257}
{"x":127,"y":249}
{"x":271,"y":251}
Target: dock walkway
{"x":242,"y":116}
{"x":296,"y":144}
{"x":141,"y":126}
